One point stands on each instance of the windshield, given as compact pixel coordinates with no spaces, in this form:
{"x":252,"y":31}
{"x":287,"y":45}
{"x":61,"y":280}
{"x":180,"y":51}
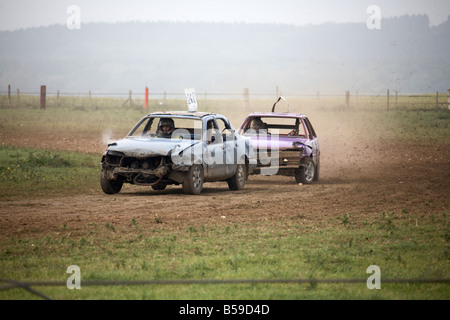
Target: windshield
{"x":168,"y":127}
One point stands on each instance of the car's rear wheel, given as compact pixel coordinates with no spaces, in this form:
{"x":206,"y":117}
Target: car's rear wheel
{"x":193,"y":183}
{"x":316,"y":177}
{"x":110,"y":186}
{"x":306,"y":173}
{"x":237,"y":182}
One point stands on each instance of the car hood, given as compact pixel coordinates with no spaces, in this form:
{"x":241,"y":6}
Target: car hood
{"x":139,"y":147}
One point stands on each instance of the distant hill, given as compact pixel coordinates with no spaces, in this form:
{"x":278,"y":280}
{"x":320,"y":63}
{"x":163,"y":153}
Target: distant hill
{"x":406,"y":55}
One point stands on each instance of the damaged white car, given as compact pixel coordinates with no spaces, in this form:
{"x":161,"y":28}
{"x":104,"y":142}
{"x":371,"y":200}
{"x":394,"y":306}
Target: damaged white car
{"x":173,"y":148}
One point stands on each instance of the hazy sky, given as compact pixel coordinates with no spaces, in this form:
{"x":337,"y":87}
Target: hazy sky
{"x":17,"y":14}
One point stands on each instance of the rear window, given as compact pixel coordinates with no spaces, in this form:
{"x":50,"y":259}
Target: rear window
{"x":277,"y":125}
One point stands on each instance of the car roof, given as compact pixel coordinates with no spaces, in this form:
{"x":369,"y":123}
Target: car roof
{"x":182,"y":113}
{"x":277,"y":115}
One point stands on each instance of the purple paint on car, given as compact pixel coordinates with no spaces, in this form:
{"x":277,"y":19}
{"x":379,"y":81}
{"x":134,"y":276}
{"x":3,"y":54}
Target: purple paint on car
{"x":285,"y":144}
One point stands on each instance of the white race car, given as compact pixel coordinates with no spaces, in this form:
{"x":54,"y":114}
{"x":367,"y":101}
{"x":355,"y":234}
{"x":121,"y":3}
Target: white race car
{"x":187,"y":148}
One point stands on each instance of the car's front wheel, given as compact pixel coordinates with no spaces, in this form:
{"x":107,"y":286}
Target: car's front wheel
{"x":110,"y":186}
{"x":193,"y":183}
{"x":237,"y":182}
{"x":306,"y":173}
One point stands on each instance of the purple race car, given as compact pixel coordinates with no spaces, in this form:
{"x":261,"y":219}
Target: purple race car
{"x":285,"y":144}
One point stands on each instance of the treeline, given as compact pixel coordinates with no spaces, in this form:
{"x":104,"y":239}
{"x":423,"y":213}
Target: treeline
{"x":406,"y":54}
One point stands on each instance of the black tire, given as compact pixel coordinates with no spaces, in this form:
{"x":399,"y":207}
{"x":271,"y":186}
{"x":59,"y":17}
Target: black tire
{"x":316,"y":177}
{"x":306,"y":173}
{"x":110,"y":186}
{"x":237,"y":182}
{"x":193,"y":183}
{"x":159,"y":187}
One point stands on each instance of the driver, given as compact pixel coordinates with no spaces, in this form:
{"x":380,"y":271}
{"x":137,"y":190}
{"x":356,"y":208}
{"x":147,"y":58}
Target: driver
{"x":258,"y":126}
{"x":211,"y":131}
{"x":166,"y":127}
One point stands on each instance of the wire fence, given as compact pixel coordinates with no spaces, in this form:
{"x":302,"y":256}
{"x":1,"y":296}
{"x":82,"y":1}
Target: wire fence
{"x":28,"y":286}
{"x":388,"y":101}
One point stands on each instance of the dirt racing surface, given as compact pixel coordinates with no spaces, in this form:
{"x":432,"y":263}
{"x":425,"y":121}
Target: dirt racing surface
{"x":359,"y":177}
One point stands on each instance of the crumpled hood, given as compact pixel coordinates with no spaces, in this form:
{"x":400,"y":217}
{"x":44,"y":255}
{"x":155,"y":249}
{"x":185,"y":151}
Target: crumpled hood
{"x":140,"y":148}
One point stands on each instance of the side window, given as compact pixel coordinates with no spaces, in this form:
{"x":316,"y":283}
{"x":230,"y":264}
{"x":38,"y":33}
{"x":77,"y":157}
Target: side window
{"x":212,"y":132}
{"x":225,"y":129}
{"x":302,"y":129}
{"x":310,"y":128}
{"x":222,"y":125}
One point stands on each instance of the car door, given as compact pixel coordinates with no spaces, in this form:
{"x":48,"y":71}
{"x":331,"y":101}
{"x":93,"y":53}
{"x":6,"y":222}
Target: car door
{"x":230,"y":145}
{"x":214,"y":157}
{"x":313,"y":140}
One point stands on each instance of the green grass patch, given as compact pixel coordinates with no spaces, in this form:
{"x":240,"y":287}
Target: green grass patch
{"x":75,"y":117}
{"x":261,"y":251}
{"x":35,"y":172}
{"x":425,"y":126}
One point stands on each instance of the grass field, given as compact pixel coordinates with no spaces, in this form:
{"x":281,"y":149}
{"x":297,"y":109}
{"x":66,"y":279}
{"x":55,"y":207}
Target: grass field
{"x":284,"y":250}
{"x":49,"y":157}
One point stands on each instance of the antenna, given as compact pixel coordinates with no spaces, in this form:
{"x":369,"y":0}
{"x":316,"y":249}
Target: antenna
{"x":280,"y":98}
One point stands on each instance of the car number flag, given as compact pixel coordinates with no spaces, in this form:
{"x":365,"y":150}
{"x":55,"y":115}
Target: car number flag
{"x":191,"y":100}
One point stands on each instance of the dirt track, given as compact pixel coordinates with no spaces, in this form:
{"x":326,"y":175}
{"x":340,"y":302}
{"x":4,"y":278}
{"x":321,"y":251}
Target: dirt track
{"x":359,"y":178}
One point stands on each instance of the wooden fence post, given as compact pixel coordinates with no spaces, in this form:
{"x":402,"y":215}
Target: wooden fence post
{"x":129,"y":99}
{"x":9,"y":95}
{"x":437,"y":100}
{"x":396,"y":98}
{"x":246,"y":98}
{"x":57,"y":98}
{"x":347,"y":99}
{"x":448,"y":95}
{"x":387,"y":99}
{"x":43,"y":96}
